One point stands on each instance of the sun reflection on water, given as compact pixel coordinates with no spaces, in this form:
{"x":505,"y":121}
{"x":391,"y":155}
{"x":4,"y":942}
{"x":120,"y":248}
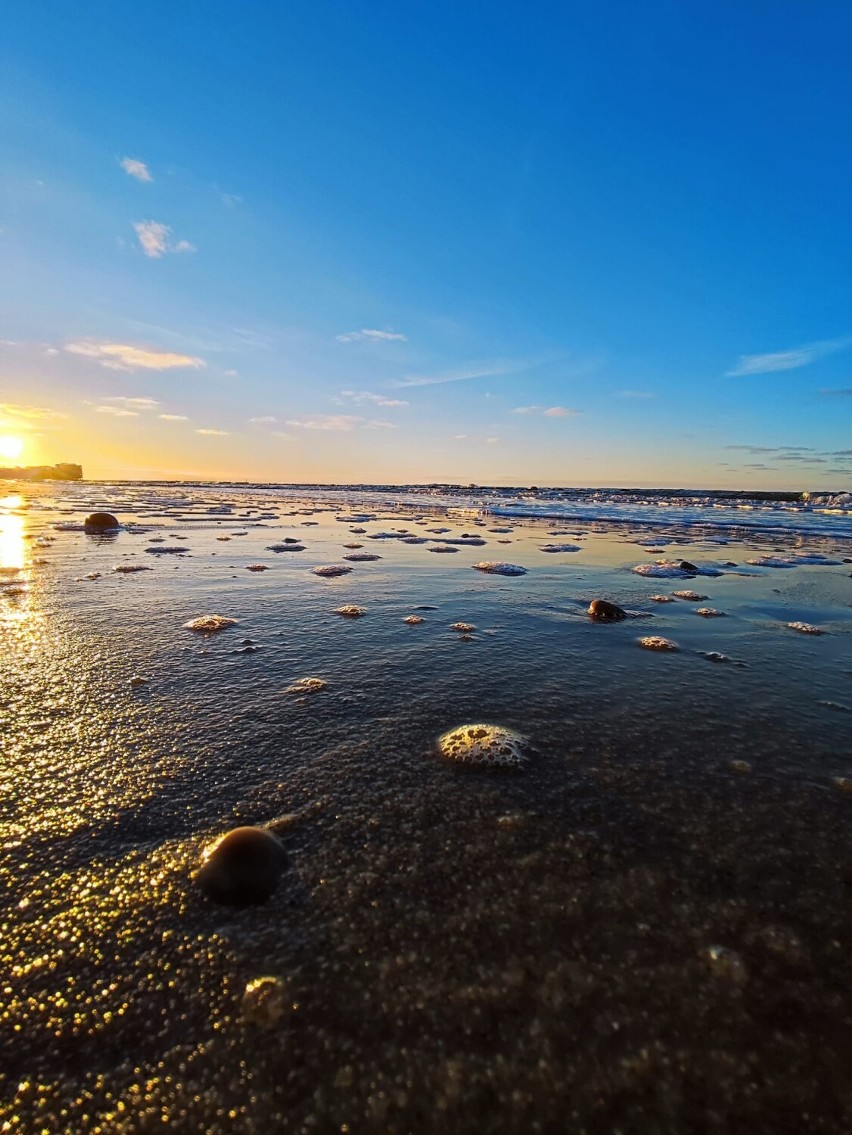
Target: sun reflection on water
{"x":12,"y":544}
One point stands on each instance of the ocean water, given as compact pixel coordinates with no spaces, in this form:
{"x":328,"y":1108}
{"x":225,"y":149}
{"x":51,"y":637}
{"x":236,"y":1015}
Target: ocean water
{"x":645,"y":928}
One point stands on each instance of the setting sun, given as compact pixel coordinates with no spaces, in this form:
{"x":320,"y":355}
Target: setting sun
{"x":11,"y":447}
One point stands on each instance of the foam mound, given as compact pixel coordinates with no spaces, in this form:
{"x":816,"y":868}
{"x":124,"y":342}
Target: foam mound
{"x":362,"y":557}
{"x":209,"y":623}
{"x":443,"y":548}
{"x":413,"y":620}
{"x":288,"y":546}
{"x":496,"y":567}
{"x":656,"y":642}
{"x":560,"y":548}
{"x":463,"y":628}
{"x":351,"y":611}
{"x":692,"y":596}
{"x":331,"y":570}
{"x":673,"y":569}
{"x":128,"y":569}
{"x":805,"y":628}
{"x":484,"y":746}
{"x":709,"y":612}
{"x":307,"y":686}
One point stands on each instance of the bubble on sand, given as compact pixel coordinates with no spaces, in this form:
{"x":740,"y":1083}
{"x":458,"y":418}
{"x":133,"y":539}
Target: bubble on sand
{"x":709,"y":613}
{"x":307,"y":686}
{"x":128,"y":569}
{"x":210,"y":623}
{"x":802,"y":559}
{"x":257,"y":567}
{"x":805,"y":628}
{"x":243,"y":867}
{"x":414,"y":540}
{"x":497,"y":567}
{"x":842,"y":783}
{"x":362,"y":557}
{"x":484,"y":746}
{"x":413,"y":620}
{"x":351,"y":611}
{"x":442,"y":548}
{"x":726,"y":964}
{"x":357,"y":531}
{"x":742,"y":767}
{"x":500,"y":531}
{"x":288,"y":546}
{"x":657,"y":642}
{"x":691,"y":596}
{"x":328,"y":571}
{"x":167,"y":550}
{"x":353,"y":545}
{"x":464,"y":628}
{"x":264,"y":1002}
{"x":560,"y":548}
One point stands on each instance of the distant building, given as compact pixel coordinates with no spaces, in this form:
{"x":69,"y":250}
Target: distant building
{"x":64,"y":471}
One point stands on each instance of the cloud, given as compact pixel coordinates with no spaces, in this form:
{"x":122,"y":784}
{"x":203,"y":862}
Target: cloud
{"x":26,"y":418}
{"x":174,"y":417}
{"x":230,"y":373}
{"x":491,"y":440}
{"x":116,"y":411}
{"x":156,"y":239}
{"x":547,"y":411}
{"x":635,"y":394}
{"x":135,"y":403}
{"x":844,"y":392}
{"x":375,"y":336}
{"x":126,"y":356}
{"x":264,"y":419}
{"x":377,"y":424}
{"x":376,"y":399}
{"x":213,"y":433}
{"x":135,"y":168}
{"x":474,"y":370}
{"x":788,"y":360}
{"x":231,"y":199}
{"x":326,"y":422}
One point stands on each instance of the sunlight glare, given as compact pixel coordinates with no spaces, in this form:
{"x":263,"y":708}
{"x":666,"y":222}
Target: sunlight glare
{"x":11,"y":447}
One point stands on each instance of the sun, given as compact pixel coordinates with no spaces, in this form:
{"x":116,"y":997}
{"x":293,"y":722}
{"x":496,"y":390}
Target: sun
{"x":10,"y":446}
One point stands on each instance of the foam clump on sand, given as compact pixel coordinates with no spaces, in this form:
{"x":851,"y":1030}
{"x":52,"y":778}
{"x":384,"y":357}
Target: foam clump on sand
{"x":463,"y":628}
{"x":802,"y":559}
{"x":560,"y":548}
{"x":486,"y":746}
{"x":692,"y":596}
{"x":287,"y":546}
{"x":661,"y":598}
{"x":362,"y":557}
{"x":443,"y":548}
{"x":673,"y":569}
{"x":351,"y":611}
{"x":805,"y":628}
{"x":128,"y":569}
{"x":307,"y":686}
{"x":328,"y":571}
{"x":257,"y":567}
{"x":497,"y":567}
{"x":265,"y":1001}
{"x":209,"y":623}
{"x":413,"y":620}
{"x":657,"y":642}
{"x":709,"y":613}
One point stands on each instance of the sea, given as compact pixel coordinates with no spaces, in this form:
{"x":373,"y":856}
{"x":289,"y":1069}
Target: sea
{"x":641,"y":925}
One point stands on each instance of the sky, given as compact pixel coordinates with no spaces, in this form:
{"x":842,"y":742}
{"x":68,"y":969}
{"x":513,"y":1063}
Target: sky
{"x":503,"y":243}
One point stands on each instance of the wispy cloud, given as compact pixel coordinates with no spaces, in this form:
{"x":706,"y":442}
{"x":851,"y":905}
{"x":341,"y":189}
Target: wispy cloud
{"x":547,"y":411}
{"x":843,"y":392}
{"x":24,"y":417}
{"x":117,"y":411}
{"x":135,"y":168}
{"x":231,"y":199}
{"x":127,"y":356}
{"x":213,"y":433}
{"x":635,"y":394}
{"x":376,"y":399}
{"x":156,"y":239}
{"x":377,"y":424}
{"x":264,"y":419}
{"x":474,"y":370}
{"x":326,"y":422}
{"x":174,"y":417}
{"x":135,"y":403}
{"x":375,"y":336}
{"x":788,"y":360}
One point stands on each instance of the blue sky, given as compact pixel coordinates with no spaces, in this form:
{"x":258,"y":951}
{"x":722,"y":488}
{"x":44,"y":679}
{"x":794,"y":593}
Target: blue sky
{"x":562,"y":244}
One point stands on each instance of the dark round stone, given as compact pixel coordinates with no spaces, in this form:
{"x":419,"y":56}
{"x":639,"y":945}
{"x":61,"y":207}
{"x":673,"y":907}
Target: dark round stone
{"x":100,"y":522}
{"x":605,"y":612}
{"x":243,"y":867}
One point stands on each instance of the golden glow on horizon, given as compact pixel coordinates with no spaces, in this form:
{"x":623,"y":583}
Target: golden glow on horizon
{"x":11,"y":447}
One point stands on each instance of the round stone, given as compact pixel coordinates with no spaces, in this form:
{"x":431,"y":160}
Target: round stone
{"x":602,"y":611}
{"x":100,"y":522}
{"x":243,"y":867}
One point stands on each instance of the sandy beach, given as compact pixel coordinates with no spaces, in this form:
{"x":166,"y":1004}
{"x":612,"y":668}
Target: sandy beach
{"x":643,"y":926}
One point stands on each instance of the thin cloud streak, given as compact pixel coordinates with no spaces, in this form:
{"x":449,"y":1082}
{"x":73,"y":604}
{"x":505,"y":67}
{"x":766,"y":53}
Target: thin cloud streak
{"x":128,"y":357}
{"x":463,"y":374}
{"x":788,"y":360}
{"x":375,"y":336}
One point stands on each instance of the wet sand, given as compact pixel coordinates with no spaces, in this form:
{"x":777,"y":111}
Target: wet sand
{"x":645,"y":928}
